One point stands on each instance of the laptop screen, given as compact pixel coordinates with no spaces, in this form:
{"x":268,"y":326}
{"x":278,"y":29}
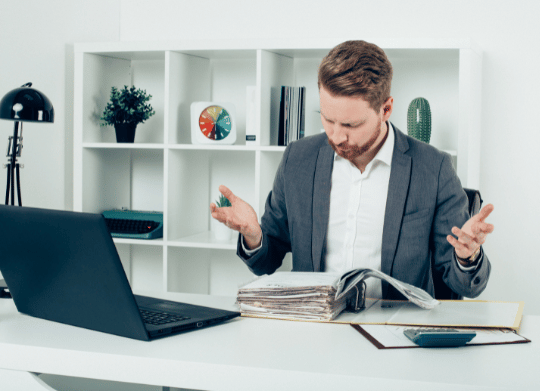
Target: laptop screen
{"x":63,"y":266}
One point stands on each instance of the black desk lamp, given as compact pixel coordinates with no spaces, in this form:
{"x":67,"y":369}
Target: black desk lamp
{"x":24,"y":104}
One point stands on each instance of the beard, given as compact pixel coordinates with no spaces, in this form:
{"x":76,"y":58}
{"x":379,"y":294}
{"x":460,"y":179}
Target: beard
{"x":351,"y":152}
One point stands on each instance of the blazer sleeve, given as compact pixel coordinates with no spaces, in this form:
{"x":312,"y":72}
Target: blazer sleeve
{"x":276,"y":240}
{"x":452,"y":210}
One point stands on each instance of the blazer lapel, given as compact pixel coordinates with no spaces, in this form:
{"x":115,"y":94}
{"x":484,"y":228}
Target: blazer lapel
{"x":321,"y":203}
{"x":398,"y":189}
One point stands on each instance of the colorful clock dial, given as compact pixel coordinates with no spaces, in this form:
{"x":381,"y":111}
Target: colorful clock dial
{"x":215,"y":123}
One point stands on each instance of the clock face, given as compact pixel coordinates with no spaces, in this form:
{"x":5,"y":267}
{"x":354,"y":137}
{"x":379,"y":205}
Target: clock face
{"x":215,"y":123}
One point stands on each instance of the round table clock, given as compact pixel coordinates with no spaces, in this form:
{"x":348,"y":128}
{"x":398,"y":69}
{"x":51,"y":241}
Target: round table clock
{"x":213,"y":123}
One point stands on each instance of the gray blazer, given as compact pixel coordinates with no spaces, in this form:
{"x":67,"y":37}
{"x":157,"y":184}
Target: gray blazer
{"x":425,"y":200}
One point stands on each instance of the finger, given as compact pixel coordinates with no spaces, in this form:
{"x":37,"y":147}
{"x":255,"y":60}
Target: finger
{"x":459,"y":247}
{"x":482,"y":228}
{"x":220,"y":215}
{"x":485,"y":212}
{"x":470,"y":241}
{"x":227,"y":193}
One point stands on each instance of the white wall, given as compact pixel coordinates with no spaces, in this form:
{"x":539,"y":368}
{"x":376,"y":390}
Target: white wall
{"x":36,"y":45}
{"x":36,"y":41}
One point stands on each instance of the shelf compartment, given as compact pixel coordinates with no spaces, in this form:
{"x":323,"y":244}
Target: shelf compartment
{"x":101,"y":72}
{"x":206,"y":76}
{"x":122,"y":178}
{"x":194,"y":177}
{"x":207,"y":271}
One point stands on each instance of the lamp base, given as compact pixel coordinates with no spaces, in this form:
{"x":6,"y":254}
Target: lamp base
{"x":4,"y":290}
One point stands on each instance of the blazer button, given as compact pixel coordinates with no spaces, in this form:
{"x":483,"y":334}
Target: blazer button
{"x":476,"y":280}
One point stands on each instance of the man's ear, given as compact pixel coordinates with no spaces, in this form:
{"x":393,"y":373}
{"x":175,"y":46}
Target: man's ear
{"x":387,"y":108}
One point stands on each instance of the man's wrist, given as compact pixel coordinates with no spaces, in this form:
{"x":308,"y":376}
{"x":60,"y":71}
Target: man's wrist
{"x":253,"y":243}
{"x":249,"y":252}
{"x":470,"y":261}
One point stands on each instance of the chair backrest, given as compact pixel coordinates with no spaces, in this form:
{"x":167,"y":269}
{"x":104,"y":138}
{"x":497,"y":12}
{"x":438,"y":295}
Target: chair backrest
{"x":442,"y":291}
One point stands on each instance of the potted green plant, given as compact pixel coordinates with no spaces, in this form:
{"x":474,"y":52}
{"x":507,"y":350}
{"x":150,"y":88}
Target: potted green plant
{"x":222,"y":233}
{"x":223,"y":202}
{"x":127,"y":108}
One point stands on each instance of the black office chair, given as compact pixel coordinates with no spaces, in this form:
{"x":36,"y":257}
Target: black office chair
{"x":442,"y":291}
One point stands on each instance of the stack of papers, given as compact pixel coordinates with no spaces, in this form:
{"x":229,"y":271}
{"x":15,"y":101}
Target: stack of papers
{"x":317,"y":296}
{"x":293,"y":295}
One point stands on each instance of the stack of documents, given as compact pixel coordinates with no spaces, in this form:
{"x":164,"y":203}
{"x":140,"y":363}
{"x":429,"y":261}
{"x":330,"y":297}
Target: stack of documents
{"x":316,"y":296}
{"x":293,"y":295}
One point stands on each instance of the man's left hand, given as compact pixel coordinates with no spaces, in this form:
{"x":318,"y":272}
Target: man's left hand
{"x":473,"y":233}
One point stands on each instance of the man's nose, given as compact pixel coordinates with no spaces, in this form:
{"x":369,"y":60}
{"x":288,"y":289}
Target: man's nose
{"x":339,"y":134}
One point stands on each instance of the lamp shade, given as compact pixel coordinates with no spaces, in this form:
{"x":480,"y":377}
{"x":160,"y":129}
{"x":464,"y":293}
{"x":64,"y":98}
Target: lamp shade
{"x":26,"y":104}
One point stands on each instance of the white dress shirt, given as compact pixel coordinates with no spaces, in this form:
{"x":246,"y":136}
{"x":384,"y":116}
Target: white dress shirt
{"x":357,"y":206}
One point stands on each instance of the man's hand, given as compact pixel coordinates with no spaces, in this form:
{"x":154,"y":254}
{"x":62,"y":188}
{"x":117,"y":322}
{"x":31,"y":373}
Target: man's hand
{"x":473,"y":233}
{"x":240,"y":216}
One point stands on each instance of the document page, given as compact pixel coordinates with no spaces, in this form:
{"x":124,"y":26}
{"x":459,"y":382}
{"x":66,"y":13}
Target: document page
{"x":461,"y":313}
{"x":416,"y":295}
{"x":376,"y":311}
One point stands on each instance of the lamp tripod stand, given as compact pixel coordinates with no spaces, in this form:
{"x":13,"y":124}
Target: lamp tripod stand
{"x":13,"y":176}
{"x":23,"y":104}
{"x":13,"y":173}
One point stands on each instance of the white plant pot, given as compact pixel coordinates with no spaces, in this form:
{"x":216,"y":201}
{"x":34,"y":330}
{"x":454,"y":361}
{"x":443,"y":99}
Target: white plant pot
{"x":221,"y":232}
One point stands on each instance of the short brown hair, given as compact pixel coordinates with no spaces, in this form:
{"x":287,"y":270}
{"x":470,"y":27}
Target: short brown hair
{"x":357,"y":68}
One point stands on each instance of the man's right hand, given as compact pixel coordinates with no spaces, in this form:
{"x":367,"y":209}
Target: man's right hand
{"x":240,"y":216}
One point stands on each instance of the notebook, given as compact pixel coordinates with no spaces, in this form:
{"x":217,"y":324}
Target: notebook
{"x":63,"y":266}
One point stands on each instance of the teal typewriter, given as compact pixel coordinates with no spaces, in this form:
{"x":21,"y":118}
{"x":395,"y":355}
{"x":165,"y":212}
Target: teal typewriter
{"x":134,"y":224}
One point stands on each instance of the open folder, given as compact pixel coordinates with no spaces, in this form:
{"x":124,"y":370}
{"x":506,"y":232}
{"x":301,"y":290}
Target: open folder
{"x":325,"y":297}
{"x":449,"y":313}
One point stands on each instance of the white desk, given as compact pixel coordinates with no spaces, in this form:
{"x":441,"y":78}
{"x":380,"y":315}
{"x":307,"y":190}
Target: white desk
{"x":257,"y":354}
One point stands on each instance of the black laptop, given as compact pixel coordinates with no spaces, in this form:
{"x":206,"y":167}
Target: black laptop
{"x":63,"y":266}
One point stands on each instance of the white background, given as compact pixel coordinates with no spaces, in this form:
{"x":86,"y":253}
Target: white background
{"x":36,"y":44}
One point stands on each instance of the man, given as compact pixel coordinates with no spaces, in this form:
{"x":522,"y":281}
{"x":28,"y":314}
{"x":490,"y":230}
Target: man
{"x":364,"y":194}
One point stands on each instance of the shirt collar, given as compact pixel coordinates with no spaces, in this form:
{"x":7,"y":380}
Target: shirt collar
{"x":387,"y":150}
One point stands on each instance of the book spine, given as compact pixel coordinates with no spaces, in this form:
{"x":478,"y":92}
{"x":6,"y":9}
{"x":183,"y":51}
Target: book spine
{"x":287,"y":115}
{"x":282,"y":116}
{"x":303,"y":113}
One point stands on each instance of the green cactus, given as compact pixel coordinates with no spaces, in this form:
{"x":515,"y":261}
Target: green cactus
{"x":419,"y":120}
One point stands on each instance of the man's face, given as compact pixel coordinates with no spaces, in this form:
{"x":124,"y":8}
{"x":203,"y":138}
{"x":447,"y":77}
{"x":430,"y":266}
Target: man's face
{"x":353,"y":128}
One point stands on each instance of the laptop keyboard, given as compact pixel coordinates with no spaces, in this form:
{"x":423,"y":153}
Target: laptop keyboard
{"x":157,"y":317}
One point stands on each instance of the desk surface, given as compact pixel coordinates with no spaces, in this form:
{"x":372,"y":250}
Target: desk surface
{"x":262,"y":354}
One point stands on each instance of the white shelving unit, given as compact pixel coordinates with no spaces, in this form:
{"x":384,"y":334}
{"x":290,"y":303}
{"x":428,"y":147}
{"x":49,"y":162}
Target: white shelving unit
{"x":163,"y":171}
